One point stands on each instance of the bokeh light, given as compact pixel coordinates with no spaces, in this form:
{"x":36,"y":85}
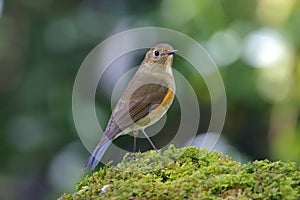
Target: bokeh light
{"x":66,"y":168}
{"x":224,"y":47}
{"x":266,"y":48}
{"x":275,"y":11}
{"x":255,"y":43}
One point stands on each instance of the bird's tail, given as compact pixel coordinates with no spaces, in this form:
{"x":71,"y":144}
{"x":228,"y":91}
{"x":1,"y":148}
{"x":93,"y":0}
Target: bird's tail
{"x":97,"y":154}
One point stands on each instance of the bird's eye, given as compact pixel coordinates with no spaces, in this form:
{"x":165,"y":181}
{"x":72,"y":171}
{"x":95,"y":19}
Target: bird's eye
{"x":156,"y":53}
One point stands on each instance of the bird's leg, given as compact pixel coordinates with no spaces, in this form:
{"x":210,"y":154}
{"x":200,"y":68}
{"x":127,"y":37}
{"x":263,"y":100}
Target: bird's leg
{"x":135,"y":134}
{"x":145,"y":134}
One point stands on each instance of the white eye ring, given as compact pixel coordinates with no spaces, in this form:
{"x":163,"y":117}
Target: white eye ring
{"x":156,"y":53}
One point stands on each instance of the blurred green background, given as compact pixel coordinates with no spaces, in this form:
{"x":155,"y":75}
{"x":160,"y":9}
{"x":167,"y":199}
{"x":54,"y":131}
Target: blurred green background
{"x":256,"y":45}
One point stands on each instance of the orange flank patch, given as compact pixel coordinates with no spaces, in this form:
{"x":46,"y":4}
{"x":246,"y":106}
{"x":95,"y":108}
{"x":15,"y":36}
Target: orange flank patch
{"x":163,"y":106}
{"x":168,"y":98}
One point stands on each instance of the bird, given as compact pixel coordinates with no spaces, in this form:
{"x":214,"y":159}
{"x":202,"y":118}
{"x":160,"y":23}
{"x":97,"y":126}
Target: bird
{"x":147,"y":97}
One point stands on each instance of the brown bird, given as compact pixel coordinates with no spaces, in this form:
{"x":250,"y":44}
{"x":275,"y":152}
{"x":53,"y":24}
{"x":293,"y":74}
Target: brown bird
{"x":146,"y":99}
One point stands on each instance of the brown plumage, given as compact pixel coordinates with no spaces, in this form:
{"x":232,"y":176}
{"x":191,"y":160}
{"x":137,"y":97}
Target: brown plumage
{"x":146,"y":99}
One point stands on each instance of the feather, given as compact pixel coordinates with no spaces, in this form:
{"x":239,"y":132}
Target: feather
{"x":97,"y":154}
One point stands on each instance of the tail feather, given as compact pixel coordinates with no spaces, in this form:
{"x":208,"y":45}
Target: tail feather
{"x":97,"y":154}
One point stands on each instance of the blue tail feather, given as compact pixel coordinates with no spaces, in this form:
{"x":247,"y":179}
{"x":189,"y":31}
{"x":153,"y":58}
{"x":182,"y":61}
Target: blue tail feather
{"x":97,"y":154}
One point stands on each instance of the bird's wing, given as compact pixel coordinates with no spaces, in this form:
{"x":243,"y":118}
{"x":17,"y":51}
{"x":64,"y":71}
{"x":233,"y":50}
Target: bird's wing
{"x":142,"y":101}
{"x":140,"y":104}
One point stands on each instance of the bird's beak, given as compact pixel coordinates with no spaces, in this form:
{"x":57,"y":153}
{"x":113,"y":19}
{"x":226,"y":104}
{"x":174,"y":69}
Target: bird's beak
{"x":172,"y":52}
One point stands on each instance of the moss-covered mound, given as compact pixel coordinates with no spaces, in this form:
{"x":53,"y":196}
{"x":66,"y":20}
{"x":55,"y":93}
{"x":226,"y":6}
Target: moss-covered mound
{"x":190,"y":173}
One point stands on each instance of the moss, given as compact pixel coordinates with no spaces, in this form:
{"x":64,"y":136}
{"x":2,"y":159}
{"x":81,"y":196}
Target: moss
{"x":190,"y":173}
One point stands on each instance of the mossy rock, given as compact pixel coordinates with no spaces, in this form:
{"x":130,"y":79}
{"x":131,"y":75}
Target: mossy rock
{"x":190,"y":173}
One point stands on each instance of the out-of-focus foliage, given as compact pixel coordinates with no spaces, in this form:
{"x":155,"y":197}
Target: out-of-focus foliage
{"x":255,"y":43}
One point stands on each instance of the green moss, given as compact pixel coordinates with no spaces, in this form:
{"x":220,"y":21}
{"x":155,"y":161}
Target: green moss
{"x":190,"y":173}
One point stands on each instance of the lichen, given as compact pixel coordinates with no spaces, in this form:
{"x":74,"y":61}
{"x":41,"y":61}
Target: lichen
{"x":189,"y":173}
